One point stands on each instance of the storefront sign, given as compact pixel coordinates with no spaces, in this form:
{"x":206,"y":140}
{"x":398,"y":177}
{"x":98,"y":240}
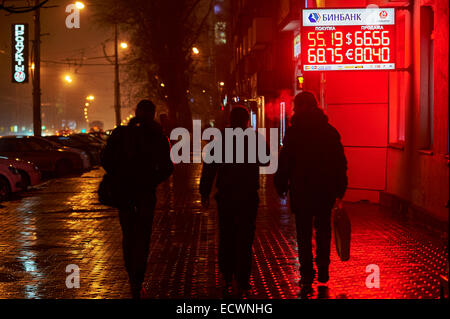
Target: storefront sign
{"x":19,"y":49}
{"x":297,"y":47}
{"x":348,"y":39}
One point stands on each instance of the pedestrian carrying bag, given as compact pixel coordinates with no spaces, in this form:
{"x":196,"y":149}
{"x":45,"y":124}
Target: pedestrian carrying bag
{"x":342,"y":232}
{"x":106,"y":191}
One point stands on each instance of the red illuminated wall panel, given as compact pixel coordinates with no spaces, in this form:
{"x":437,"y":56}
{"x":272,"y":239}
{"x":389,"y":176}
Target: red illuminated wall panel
{"x":357,"y":105}
{"x":357,"y":87}
{"x":366,"y":168}
{"x":360,"y":124}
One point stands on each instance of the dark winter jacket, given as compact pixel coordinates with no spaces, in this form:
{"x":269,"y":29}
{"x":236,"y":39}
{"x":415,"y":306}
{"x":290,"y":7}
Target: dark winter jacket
{"x":235,"y":181}
{"x":137,"y":157}
{"x":312,"y":164}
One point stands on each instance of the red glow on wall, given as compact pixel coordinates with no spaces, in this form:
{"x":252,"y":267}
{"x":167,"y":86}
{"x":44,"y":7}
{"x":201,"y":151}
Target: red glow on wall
{"x":273,"y":109}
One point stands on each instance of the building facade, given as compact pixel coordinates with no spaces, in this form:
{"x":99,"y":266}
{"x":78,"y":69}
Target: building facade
{"x":394,"y":124}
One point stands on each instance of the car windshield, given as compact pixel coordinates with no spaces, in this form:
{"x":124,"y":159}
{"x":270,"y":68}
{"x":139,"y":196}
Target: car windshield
{"x":31,"y":144}
{"x":64,"y":140}
{"x":43,"y":143}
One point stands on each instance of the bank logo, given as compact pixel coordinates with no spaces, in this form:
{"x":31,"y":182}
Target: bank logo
{"x":314,"y":17}
{"x":383,"y":14}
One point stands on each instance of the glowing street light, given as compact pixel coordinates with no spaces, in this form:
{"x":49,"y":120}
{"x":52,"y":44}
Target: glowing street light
{"x":90,"y":98}
{"x":79,"y":5}
{"x":162,"y":85}
{"x":68,"y":78}
{"x":86,"y":104}
{"x":195,"y":50}
{"x":221,"y":83}
{"x":124,"y":45}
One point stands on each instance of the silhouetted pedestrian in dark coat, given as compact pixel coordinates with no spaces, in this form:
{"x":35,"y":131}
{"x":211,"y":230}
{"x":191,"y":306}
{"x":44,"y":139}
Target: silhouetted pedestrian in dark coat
{"x":137,"y":159}
{"x":313,"y":168}
{"x":237,"y":202}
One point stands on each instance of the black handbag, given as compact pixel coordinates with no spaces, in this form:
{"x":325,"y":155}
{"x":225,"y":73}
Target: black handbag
{"x":106,"y":191}
{"x":342,"y":232}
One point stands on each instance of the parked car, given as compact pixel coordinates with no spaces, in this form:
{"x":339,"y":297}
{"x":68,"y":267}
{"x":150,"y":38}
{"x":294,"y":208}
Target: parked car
{"x":57,"y":161}
{"x":90,"y":139}
{"x":48,"y":144}
{"x":9,"y":181}
{"x":92,"y":151}
{"x":29,"y":172}
{"x":100,"y":135}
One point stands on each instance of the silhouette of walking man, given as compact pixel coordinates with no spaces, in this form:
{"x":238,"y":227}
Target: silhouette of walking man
{"x":137,"y":159}
{"x":313,"y":168}
{"x":237,"y":202}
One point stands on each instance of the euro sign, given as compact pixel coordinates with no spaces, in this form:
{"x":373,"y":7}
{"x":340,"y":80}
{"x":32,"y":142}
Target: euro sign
{"x":349,"y":54}
{"x":349,"y":38}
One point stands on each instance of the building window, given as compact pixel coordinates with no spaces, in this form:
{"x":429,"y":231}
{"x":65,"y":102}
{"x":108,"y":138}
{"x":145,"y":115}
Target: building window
{"x":426,"y":77}
{"x":220,"y":33}
{"x":398,"y":99}
{"x":399,"y":82}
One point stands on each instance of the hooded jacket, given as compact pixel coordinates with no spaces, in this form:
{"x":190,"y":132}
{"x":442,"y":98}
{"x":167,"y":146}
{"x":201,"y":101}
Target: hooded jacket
{"x":137,"y":156}
{"x":312,"y":163}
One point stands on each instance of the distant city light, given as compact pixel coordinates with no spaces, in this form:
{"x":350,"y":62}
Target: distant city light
{"x":90,"y":98}
{"x":68,"y":78}
{"x":79,"y":5}
{"x":217,"y":9}
{"x":195,"y":50}
{"x":124,"y":45}
{"x":32,"y":66}
{"x":221,"y":83}
{"x":86,"y":104}
{"x":162,"y":85}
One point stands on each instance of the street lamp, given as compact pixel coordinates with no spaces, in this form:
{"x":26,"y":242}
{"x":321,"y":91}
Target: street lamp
{"x":90,"y":98}
{"x":79,"y":5}
{"x":68,"y":78}
{"x":115,"y":62}
{"x":221,"y":83}
{"x":195,"y":50}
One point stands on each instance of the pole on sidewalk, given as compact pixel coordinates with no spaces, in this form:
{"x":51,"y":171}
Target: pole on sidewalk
{"x":37,"y":121}
{"x":116,"y":79}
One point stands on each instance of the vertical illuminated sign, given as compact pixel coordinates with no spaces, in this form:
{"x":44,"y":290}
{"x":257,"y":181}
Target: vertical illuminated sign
{"x":348,"y":39}
{"x":19,"y":49}
{"x":282,"y":121}
{"x":297,"y":46}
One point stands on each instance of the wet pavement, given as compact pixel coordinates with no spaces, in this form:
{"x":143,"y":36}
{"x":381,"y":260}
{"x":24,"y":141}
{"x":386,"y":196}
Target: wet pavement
{"x":61,"y":223}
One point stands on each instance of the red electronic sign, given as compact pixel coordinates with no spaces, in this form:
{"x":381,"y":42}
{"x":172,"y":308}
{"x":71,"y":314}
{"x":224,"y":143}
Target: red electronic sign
{"x":348,"y":39}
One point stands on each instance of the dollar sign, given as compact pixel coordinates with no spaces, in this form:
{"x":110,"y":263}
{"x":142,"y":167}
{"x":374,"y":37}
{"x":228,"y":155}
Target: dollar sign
{"x":349,"y":38}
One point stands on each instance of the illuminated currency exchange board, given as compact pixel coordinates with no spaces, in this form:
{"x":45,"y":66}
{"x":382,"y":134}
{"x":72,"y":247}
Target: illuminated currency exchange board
{"x":348,"y":39}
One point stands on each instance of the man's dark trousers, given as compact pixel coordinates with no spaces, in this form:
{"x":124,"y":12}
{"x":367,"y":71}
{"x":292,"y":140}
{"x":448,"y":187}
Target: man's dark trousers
{"x":136,"y":219}
{"x":315,"y":214}
{"x":237,"y":223}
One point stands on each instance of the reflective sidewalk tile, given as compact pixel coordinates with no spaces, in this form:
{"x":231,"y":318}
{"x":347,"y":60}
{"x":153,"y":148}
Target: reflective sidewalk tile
{"x":61,"y":223}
